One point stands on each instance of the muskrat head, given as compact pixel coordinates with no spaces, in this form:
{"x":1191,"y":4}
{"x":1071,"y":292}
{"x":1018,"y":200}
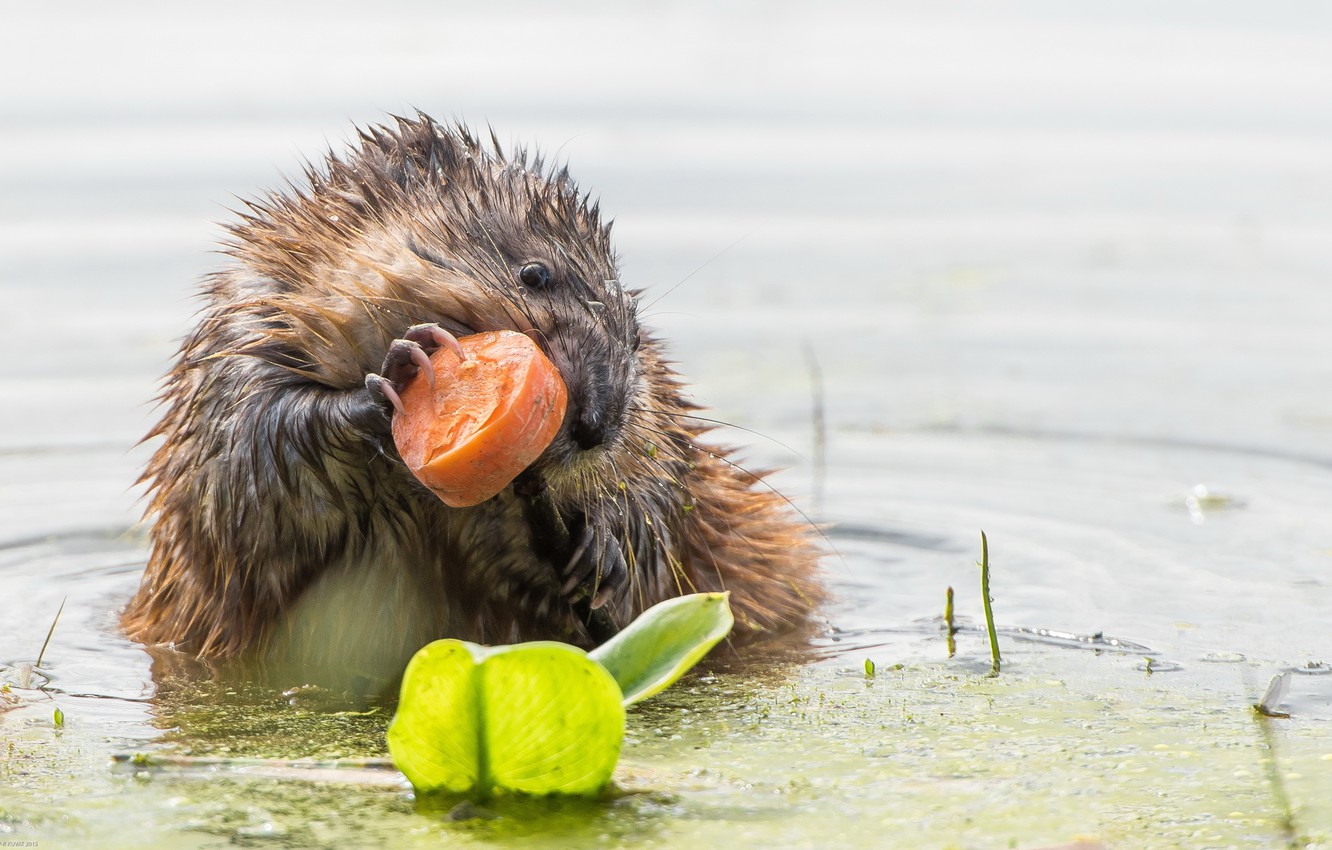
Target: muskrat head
{"x":526,"y":252}
{"x":424,"y":223}
{"x":544,"y":270}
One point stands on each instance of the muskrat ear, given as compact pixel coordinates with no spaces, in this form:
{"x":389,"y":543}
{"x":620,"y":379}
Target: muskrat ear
{"x":535,"y":276}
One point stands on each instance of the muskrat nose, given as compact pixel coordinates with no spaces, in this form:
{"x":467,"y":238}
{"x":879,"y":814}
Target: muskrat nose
{"x":589,"y":428}
{"x":594,"y":418}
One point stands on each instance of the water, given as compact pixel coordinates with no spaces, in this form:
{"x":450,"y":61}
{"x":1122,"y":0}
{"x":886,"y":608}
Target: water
{"x":1058,"y":267}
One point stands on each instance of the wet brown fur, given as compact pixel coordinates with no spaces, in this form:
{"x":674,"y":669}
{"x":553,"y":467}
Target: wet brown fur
{"x":276,"y":478}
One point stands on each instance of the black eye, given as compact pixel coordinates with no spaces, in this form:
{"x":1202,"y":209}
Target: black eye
{"x":534,"y":276}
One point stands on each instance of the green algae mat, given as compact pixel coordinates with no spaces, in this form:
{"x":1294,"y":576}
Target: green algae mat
{"x":1066,"y":748}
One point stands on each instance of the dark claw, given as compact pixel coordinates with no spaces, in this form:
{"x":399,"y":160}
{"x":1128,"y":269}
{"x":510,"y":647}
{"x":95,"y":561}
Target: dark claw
{"x":409,"y":357}
{"x":377,"y":384}
{"x":590,"y":571}
{"x":431,"y":337}
{"x":403,"y":362}
{"x":596,"y":569}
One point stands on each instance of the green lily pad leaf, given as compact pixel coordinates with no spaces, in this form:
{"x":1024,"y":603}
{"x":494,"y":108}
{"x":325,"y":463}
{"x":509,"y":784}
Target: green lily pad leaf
{"x":664,"y":642}
{"x":535,"y":718}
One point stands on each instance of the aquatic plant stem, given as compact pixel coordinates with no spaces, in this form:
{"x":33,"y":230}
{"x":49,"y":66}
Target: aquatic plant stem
{"x":989,"y":605}
{"x":820,"y":427}
{"x":949,"y":624}
{"x":484,"y":788}
{"x":50,"y":632}
{"x":1286,"y":819}
{"x":368,"y":772}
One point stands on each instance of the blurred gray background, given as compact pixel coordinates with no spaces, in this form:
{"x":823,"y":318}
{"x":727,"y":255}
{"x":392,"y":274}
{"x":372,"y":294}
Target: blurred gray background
{"x":972,"y":211}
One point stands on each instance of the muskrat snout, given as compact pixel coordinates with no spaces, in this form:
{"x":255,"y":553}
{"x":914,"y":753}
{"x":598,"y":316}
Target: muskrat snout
{"x":593,"y":420}
{"x":600,"y":372}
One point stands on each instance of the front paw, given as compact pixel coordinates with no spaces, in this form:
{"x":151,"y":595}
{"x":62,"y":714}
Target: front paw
{"x":408,"y":357}
{"x":596,"y":570}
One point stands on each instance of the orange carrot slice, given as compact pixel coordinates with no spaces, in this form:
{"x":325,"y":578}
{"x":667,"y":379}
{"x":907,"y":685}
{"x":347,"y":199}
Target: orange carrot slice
{"x":487,"y":418}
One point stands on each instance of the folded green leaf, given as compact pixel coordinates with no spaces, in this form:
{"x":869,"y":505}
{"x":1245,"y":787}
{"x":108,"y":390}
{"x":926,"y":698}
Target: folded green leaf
{"x":664,"y":642}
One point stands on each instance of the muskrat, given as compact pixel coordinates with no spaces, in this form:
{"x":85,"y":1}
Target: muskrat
{"x":285,"y":524}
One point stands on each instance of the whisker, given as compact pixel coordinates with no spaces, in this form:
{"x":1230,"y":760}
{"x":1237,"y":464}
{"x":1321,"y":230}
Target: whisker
{"x":709,"y":262}
{"x":719,"y":423}
{"x":754,"y":477}
{"x":635,"y":505}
